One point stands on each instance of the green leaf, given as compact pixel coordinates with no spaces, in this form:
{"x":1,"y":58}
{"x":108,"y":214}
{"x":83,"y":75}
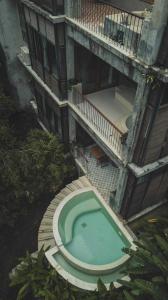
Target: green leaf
{"x":162,"y":243}
{"x":128,"y":296}
{"x":23,"y":291}
{"x":101,"y":287}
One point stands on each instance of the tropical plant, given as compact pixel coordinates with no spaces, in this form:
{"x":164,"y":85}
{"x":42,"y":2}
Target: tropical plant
{"x":148,"y":267}
{"x":148,"y":271}
{"x":36,"y":279}
{"x":29,"y":171}
{"x":33,"y":165}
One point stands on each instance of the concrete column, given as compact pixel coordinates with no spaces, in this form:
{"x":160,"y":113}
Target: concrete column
{"x":72,"y":8}
{"x":68,"y":5}
{"x":11,"y":41}
{"x":141,"y":98}
{"x":72,"y":128}
{"x":70,"y":57}
{"x":152,"y":32}
{"x":119,"y":197}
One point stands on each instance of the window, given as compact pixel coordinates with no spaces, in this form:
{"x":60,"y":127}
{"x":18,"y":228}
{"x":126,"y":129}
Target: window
{"x":22,"y":21}
{"x":39,"y":100}
{"x":55,"y":123}
{"x":35,"y":44}
{"x":48,"y":112}
{"x":51,"y":57}
{"x":164,"y":99}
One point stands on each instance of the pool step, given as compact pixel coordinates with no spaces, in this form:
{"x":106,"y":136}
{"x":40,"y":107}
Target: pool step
{"x":46,"y":243}
{"x":46,"y":222}
{"x":78,"y":184}
{"x":45,"y":229}
{"x":72,"y":187}
{"x":45,"y":234}
{"x":84,"y":180}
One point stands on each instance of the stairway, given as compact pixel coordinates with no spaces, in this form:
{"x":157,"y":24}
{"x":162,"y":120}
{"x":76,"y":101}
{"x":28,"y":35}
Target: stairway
{"x":45,"y":234}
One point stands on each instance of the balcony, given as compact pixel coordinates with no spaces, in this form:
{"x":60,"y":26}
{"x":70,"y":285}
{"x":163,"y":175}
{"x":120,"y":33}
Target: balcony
{"x":116,"y":26}
{"x":108,"y":112}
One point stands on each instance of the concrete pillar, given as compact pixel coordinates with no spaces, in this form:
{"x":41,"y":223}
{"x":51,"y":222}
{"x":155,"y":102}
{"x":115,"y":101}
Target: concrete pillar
{"x":141,"y":98}
{"x":72,"y":8}
{"x":119,"y":197}
{"x":72,"y":129}
{"x":152,"y":32}
{"x":11,"y":41}
{"x":68,"y":6}
{"x":70,"y":59}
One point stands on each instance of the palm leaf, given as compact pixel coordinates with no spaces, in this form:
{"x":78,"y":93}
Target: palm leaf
{"x":163,"y":244}
{"x":128,"y":296}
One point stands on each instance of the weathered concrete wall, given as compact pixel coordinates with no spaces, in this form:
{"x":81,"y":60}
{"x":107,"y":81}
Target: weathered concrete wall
{"x":11,"y":41}
{"x":130,"y":5}
{"x":152,"y":32}
{"x":144,"y":192}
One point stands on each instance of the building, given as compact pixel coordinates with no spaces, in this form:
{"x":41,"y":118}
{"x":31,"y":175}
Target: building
{"x":99,"y":77}
{"x":12,"y":73}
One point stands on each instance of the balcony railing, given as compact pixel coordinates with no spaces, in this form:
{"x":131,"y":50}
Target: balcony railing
{"x":115,"y":25}
{"x":106,"y":129}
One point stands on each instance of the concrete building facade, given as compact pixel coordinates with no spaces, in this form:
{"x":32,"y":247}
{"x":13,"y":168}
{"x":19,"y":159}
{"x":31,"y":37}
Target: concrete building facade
{"x":10,"y":42}
{"x":100,"y":81}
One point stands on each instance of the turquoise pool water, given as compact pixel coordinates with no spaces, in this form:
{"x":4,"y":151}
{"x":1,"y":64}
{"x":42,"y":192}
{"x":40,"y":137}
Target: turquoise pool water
{"x":88,"y":231}
{"x":95,"y":240}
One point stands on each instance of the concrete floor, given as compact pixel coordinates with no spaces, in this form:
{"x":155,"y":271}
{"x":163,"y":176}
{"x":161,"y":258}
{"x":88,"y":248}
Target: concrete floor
{"x":116,"y":104}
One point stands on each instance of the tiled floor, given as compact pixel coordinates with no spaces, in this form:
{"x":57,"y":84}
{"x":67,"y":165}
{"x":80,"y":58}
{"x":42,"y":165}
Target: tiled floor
{"x":104,"y":178}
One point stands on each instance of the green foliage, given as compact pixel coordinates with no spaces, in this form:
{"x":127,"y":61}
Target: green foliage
{"x":148,"y":267}
{"x":29,"y":171}
{"x":32,"y":167}
{"x":36,"y":279}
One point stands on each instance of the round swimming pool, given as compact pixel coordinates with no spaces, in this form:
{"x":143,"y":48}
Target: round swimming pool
{"x":88,"y":233}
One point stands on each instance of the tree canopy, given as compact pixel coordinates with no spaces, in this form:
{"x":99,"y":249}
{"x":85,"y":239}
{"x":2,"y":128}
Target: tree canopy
{"x":31,"y":166}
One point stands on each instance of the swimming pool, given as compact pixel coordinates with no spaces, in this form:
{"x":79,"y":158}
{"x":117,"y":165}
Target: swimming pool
{"x":88,"y":234}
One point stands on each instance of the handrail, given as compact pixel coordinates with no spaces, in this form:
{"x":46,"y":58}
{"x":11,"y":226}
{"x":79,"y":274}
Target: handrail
{"x":118,"y":26}
{"x":86,"y":99}
{"x":111,"y":123}
{"x":105,"y":127}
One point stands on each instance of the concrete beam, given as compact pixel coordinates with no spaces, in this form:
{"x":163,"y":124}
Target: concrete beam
{"x":43,"y":12}
{"x":150,"y":168}
{"x":127,"y":65}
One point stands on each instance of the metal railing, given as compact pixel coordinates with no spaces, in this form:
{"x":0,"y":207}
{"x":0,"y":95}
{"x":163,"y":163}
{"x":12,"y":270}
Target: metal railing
{"x":100,"y":122}
{"x":115,"y":25}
